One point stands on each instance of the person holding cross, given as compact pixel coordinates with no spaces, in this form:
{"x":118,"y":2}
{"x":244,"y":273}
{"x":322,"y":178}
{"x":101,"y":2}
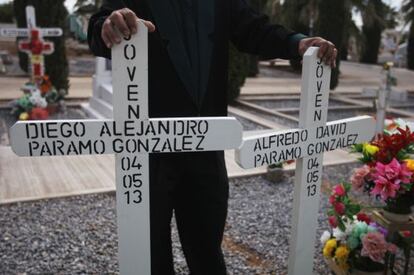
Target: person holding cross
{"x":188,"y":60}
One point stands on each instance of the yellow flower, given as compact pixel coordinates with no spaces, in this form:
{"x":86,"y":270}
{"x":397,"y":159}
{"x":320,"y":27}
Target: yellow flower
{"x":24,"y":116}
{"x":341,"y":256}
{"x":329,"y":248}
{"x":410,"y":164}
{"x":370,"y":149}
{"x":342,"y":253}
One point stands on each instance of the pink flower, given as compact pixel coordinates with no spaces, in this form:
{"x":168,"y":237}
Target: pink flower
{"x":388,"y":177}
{"x":358,"y":178}
{"x":339,"y":208}
{"x":332,"y":199}
{"x":339,"y":190}
{"x":333,"y":221}
{"x":374,"y":246}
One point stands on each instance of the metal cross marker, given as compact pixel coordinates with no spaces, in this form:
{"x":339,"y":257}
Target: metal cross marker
{"x":35,"y":46}
{"x":306,"y":144}
{"x":131,"y":136}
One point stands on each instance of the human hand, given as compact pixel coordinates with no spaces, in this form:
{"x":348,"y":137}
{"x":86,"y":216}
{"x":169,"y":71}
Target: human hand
{"x":327,"y":51}
{"x":125,"y":21}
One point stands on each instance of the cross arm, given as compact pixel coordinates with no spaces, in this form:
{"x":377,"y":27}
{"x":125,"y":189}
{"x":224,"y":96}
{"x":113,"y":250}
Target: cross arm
{"x":22,"y":32}
{"x":292,"y":144}
{"x":79,"y":137}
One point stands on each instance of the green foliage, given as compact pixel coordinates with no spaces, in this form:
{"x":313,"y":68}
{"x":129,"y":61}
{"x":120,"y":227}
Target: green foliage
{"x":49,"y":13}
{"x":6,"y":12}
{"x":376,"y":16}
{"x":87,"y":6}
{"x":238,"y":71}
{"x":331,"y":25}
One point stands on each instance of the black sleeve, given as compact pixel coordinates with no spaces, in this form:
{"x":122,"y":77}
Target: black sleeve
{"x":252,"y":33}
{"x":95,"y":41}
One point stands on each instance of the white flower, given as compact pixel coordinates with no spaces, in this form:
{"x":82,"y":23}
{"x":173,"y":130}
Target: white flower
{"x":325,"y":237}
{"x":42,"y":102}
{"x":339,"y":234}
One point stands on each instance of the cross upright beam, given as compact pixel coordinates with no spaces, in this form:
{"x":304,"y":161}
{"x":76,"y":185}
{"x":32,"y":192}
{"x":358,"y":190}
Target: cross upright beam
{"x":131,"y":136}
{"x":307,"y":145}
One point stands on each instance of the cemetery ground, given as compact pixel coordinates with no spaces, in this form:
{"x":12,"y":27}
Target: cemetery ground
{"x":58,"y":214}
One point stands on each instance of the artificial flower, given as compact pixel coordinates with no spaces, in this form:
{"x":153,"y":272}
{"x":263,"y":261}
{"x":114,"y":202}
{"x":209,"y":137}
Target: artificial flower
{"x":339,"y":234}
{"x":410,"y":164}
{"x":329,"y":248}
{"x":369,"y":149}
{"x":341,"y":256}
{"x":359,"y":230}
{"x":24,"y":116}
{"x":333,"y":221}
{"x":359,"y":176}
{"x":325,"y":237}
{"x":339,"y":208}
{"x":388,"y":177}
{"x":342,"y":253}
{"x":339,"y":190}
{"x":353,"y":242}
{"x":374,"y":246}
{"x":362,"y":217}
{"x":38,"y":113}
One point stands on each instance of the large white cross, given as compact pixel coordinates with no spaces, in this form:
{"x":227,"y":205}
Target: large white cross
{"x":306,"y":144}
{"x":131,"y":136}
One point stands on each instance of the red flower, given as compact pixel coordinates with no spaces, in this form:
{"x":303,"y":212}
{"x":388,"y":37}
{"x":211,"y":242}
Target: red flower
{"x":333,"y":221}
{"x":332,"y":199}
{"x":391,"y":145}
{"x":406,"y":234}
{"x":339,"y":208}
{"x":362,"y":217}
{"x":38,"y":113}
{"x":339,"y":190}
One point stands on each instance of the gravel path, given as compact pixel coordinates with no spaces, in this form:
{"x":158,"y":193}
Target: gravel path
{"x":77,"y":235}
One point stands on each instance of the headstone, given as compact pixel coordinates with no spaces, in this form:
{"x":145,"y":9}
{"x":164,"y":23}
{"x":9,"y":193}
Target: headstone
{"x":131,"y":136}
{"x":100,"y":105}
{"x":35,"y":46}
{"x":307,"y":145}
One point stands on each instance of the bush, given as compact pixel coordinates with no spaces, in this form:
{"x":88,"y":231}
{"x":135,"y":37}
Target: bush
{"x":52,"y":14}
{"x":6,"y":12}
{"x":238,"y":71}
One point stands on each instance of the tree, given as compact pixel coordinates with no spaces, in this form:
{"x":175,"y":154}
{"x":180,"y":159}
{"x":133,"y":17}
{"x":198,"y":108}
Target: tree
{"x":6,"y":12}
{"x":408,"y":10}
{"x":331,"y":25}
{"x":87,"y":6}
{"x":49,"y":13}
{"x":376,"y":16}
{"x":253,"y":66}
{"x":238,"y":71}
{"x":299,"y":15}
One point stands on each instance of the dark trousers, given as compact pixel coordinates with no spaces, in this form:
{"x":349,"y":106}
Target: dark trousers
{"x":195,"y":187}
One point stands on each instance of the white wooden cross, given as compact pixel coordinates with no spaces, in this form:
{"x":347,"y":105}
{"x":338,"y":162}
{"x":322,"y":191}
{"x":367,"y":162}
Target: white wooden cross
{"x":35,"y":46}
{"x":307,"y":145}
{"x":131,"y":136}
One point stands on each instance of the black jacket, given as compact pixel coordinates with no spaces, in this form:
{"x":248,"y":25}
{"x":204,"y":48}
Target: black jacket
{"x":220,"y":21}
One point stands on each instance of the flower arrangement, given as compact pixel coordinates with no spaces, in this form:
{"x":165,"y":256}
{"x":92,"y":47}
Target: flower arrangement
{"x":388,"y":169}
{"x":38,"y":100}
{"x":355,"y":241}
